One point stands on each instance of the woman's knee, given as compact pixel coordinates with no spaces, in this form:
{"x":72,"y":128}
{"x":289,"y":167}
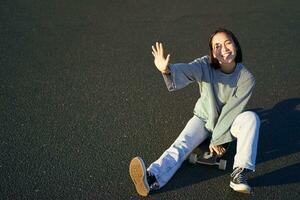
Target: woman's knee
{"x":245,"y":121}
{"x":250,"y":117}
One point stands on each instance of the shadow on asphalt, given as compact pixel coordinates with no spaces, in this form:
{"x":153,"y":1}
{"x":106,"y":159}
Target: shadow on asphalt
{"x":283,"y":176}
{"x":279,"y":137}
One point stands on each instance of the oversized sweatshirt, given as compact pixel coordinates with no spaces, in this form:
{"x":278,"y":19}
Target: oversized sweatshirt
{"x":222,"y":96}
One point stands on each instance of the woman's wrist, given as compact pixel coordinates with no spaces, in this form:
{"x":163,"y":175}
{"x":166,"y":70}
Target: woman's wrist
{"x":167,"y":71}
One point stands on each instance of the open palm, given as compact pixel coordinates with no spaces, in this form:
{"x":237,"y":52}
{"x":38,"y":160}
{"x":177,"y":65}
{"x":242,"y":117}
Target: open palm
{"x":160,"y":61}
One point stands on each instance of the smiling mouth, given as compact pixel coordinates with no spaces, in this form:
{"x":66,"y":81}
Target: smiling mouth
{"x":226,"y":54}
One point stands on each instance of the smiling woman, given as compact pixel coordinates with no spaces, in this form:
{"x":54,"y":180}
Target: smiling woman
{"x":225,"y":88}
{"x":224,"y":51}
{"x":223,"y":41}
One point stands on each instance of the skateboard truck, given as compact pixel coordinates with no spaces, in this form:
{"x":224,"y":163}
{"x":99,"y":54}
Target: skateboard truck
{"x":207,"y":159}
{"x":202,"y":155}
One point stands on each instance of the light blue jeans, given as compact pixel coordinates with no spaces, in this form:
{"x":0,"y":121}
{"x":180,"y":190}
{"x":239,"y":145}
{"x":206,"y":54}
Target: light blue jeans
{"x":245,"y":128}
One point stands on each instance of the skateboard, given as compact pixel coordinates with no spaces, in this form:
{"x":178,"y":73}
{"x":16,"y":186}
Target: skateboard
{"x":202,"y":155}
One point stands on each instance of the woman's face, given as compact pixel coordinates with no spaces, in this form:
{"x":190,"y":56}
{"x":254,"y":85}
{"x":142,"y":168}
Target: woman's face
{"x":224,"y":49}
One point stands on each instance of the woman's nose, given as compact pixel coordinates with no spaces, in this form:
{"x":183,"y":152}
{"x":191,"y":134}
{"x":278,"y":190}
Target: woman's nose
{"x":224,"y":49}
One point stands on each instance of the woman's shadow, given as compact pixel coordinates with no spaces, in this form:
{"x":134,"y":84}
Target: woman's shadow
{"x":279,"y":144}
{"x":279,"y":138}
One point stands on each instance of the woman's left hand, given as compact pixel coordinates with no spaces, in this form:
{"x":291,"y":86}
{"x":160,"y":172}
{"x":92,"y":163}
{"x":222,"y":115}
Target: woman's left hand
{"x":218,"y":149}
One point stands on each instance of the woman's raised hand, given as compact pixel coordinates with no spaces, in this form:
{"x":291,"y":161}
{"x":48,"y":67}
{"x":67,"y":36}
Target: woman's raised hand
{"x":160,"y":61}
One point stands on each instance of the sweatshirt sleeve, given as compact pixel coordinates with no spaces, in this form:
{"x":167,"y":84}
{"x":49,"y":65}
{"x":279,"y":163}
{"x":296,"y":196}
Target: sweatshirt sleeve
{"x":235,"y":105}
{"x":183,"y":74}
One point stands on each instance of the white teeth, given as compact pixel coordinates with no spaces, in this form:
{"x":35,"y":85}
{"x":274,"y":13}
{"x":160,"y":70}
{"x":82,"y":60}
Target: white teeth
{"x":226,"y":54}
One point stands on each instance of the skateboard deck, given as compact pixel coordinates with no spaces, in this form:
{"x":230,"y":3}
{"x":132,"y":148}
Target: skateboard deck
{"x":202,"y":155}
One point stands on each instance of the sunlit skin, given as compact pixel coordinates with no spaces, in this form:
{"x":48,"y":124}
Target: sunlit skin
{"x":224,"y":50}
{"x":160,"y":61}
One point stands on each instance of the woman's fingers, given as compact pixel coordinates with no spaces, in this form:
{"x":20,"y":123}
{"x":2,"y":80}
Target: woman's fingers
{"x":153,"y":49}
{"x":224,"y":150}
{"x":168,"y":59}
{"x":153,"y":54}
{"x":213,"y":149}
{"x":157,"y":48}
{"x":161,"y":49}
{"x":219,"y":150}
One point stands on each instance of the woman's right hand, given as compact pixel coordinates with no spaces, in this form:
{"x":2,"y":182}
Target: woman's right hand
{"x":218,"y":149}
{"x":160,"y":61}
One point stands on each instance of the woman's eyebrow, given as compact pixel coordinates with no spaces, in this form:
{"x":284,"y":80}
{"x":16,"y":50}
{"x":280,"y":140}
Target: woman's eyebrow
{"x":228,"y":40}
{"x":224,"y":41}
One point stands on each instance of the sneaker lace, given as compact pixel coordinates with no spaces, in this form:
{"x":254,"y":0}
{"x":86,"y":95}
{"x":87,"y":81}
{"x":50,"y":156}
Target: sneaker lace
{"x":239,"y":175}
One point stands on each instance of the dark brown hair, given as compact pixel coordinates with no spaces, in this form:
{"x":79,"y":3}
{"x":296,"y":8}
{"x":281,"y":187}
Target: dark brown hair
{"x":239,"y":55}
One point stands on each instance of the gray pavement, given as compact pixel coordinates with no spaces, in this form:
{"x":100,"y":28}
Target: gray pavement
{"x":80,"y":96}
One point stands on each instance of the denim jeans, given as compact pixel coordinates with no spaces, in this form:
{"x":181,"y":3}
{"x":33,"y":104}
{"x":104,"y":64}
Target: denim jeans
{"x":245,"y":128}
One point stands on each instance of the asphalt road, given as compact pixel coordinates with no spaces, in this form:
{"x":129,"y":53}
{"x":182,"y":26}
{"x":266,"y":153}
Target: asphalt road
{"x":80,"y":96}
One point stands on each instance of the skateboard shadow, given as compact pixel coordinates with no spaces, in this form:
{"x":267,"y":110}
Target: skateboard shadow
{"x":279,"y":138}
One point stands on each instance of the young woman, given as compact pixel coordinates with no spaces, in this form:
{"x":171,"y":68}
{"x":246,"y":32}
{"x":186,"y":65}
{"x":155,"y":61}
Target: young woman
{"x":225,"y":87}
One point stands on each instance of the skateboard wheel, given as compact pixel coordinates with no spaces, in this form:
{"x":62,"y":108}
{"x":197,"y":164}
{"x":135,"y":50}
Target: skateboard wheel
{"x":222,"y":164}
{"x":193,"y":158}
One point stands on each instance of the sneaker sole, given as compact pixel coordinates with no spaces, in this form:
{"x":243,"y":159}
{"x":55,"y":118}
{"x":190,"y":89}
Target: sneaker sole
{"x":241,"y":189}
{"x":137,"y":171}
